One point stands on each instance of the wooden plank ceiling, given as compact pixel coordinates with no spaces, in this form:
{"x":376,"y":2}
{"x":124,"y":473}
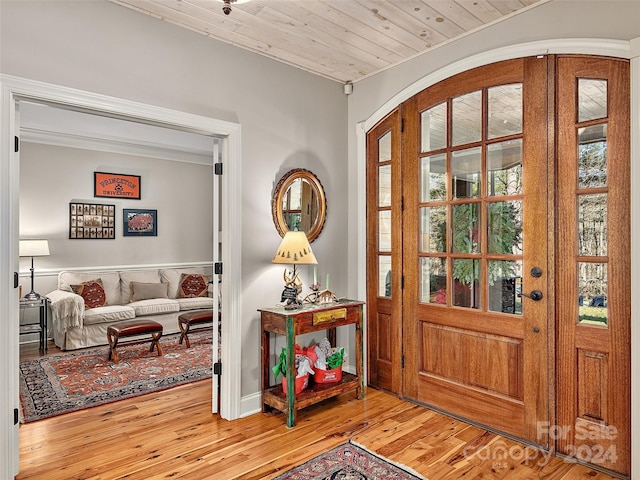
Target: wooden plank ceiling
{"x":343,"y":40}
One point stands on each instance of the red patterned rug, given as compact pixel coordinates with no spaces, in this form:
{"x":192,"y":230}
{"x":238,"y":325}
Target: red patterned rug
{"x":69,"y":381}
{"x":349,"y":462}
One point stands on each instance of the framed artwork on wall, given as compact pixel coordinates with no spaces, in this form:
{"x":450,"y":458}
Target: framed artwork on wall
{"x":116,"y":185}
{"x":95,"y":221}
{"x":138,"y":222}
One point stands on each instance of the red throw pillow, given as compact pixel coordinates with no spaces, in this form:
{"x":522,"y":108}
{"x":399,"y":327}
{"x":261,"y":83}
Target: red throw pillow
{"x":92,"y":293}
{"x":193,"y":285}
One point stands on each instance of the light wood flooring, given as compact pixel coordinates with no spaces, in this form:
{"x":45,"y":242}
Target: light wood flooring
{"x":173,"y":434}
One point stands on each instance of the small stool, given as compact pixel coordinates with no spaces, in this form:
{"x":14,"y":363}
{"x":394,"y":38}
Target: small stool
{"x":186,"y":320}
{"x":133,"y":328}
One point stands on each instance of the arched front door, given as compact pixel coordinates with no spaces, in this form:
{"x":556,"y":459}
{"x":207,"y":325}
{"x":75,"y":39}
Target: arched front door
{"x":478,"y":253}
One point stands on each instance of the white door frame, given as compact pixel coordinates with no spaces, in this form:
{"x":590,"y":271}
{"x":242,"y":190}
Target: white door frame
{"x":588,"y":46}
{"x":12,"y":90}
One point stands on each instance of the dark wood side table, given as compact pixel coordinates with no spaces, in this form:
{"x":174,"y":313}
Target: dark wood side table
{"x":39,"y":327}
{"x":308,"y":318}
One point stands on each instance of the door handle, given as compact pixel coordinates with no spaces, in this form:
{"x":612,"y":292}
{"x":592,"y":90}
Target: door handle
{"x":535,"y":295}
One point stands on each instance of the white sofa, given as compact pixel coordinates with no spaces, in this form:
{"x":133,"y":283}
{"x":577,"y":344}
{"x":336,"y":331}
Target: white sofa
{"x":156,"y":296}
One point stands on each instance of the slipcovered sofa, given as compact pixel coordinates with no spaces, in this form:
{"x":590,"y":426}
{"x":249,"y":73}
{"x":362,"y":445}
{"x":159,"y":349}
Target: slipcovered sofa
{"x":86,"y":303}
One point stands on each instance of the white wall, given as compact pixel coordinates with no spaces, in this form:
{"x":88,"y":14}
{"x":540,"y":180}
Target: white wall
{"x":290,"y":119}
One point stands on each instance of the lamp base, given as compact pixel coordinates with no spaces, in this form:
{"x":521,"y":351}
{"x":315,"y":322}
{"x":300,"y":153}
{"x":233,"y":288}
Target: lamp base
{"x":32,"y":296}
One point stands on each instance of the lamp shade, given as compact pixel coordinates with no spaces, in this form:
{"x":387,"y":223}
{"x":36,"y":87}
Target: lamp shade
{"x":34,"y":248}
{"x":295,"y":249}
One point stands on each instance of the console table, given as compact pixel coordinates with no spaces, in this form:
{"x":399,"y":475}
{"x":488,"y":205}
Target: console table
{"x":308,"y":318}
{"x":39,"y":327}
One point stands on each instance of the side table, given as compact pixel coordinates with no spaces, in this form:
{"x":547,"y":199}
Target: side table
{"x":308,"y":318}
{"x":40,"y":327}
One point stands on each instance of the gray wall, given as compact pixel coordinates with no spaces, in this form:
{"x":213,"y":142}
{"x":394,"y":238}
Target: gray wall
{"x":290,"y":119}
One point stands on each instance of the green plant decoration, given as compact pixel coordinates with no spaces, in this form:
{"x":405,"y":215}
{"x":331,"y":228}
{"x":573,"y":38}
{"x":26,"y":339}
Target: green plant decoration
{"x":335,"y":359}
{"x":281,"y":367}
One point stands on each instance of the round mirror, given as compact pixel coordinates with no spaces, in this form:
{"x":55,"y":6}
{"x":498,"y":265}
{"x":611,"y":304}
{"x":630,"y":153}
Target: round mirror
{"x":299,"y":204}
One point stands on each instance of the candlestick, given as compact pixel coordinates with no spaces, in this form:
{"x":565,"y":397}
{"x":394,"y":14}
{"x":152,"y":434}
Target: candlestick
{"x":315,"y":274}
{"x":327,"y":285}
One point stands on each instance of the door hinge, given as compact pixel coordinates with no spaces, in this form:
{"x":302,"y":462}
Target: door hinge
{"x":217,"y":268}
{"x":217,"y":368}
{"x":402,"y":204}
{"x":16,"y":280}
{"x":402,"y":361}
{"x":16,"y":144}
{"x":402,"y":282}
{"x":217,"y":168}
{"x":402,"y":125}
{"x":16,"y":417}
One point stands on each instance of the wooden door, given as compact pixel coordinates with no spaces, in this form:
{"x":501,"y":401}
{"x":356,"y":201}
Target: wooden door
{"x":593,"y":265}
{"x":384,"y":254}
{"x":475,"y":247}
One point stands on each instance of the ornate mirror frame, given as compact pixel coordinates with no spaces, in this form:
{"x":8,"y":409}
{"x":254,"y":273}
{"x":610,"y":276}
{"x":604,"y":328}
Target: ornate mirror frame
{"x":317,"y":197}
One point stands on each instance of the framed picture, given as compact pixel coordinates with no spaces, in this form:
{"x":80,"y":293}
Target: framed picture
{"x":95,"y":221}
{"x":116,"y":185}
{"x":138,"y":222}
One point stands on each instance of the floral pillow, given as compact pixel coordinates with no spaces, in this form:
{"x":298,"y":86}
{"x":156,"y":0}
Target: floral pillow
{"x":92,"y":292}
{"x":193,"y":285}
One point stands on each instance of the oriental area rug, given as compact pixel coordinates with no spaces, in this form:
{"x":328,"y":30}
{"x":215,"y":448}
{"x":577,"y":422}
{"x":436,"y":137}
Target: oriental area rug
{"x":350,"y":462}
{"x":70,"y":381}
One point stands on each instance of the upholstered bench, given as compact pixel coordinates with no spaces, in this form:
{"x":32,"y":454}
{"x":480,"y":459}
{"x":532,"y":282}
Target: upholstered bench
{"x":188,"y":319}
{"x":130,"y":329}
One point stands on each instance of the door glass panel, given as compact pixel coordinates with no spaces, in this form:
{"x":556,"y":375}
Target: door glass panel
{"x":592,"y":99}
{"x":505,"y":110}
{"x":465,"y":173}
{"x":505,"y":286}
{"x":592,"y":156}
{"x":384,"y":231}
{"x":504,"y":165}
{"x":592,"y":293}
{"x":466,"y":228}
{"x":466,"y":123}
{"x":505,"y":227}
{"x":592,"y":225}
{"x":384,"y":186}
{"x":433,"y":175}
{"x":434,"y":128}
{"x":384,"y":275}
{"x":466,"y":288}
{"x":384,"y":148}
{"x":433,"y":280}
{"x":433,"y":229}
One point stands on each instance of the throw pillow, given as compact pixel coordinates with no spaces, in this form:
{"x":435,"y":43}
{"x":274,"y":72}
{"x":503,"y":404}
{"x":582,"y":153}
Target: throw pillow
{"x":193,"y":285}
{"x":92,"y":292}
{"x":146,"y":291}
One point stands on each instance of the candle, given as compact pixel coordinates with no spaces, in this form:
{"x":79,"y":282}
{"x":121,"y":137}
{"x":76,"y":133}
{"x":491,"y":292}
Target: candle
{"x":315,"y":275}
{"x":327,"y":286}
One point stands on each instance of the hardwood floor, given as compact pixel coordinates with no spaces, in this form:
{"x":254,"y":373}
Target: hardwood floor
{"x":173,"y":434}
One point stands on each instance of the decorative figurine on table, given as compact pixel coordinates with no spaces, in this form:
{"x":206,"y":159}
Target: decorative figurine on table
{"x":319,"y":296}
{"x":292,"y":288}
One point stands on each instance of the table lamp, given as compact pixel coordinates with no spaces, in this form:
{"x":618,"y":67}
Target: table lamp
{"x":33,"y":248}
{"x":293,"y":249}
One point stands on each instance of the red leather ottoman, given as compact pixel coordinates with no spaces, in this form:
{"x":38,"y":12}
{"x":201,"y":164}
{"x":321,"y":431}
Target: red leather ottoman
{"x":133,"y":328}
{"x":188,"y":319}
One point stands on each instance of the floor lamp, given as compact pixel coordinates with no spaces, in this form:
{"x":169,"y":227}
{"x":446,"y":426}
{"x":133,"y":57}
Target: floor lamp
{"x":33,"y":248}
